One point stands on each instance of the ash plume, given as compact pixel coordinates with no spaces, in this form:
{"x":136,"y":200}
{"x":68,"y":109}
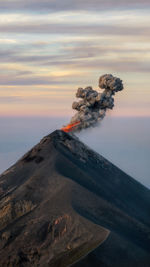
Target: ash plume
{"x":93,"y":105}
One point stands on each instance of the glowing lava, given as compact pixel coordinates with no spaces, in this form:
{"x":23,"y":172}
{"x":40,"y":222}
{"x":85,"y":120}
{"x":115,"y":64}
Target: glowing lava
{"x":70,"y":127}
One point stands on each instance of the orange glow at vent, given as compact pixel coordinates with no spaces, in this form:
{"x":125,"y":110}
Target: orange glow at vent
{"x":70,"y":127}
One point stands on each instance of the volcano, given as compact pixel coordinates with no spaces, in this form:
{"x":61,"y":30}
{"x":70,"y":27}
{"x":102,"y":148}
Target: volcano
{"x":62,"y":204}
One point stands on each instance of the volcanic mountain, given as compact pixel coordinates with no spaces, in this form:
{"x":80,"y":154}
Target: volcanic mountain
{"x":62,"y":204}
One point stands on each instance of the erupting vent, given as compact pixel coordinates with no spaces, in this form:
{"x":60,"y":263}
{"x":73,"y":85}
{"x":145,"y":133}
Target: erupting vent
{"x":70,"y":127}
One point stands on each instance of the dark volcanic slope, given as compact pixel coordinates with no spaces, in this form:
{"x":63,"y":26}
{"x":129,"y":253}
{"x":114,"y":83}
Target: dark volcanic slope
{"x":62,"y":200}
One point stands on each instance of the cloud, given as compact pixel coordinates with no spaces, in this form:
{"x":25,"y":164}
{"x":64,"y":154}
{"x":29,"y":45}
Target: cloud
{"x":23,"y":73}
{"x":7,"y":41}
{"x":10,"y":99}
{"x":35,"y":80}
{"x":40,"y":44}
{"x":57,"y":5}
{"x":88,"y":29}
{"x":77,"y":56}
{"x":117,"y":66}
{"x":92,"y":65}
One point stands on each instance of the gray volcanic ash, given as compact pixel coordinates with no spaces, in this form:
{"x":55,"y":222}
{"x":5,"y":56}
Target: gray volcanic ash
{"x":62,"y":200}
{"x":93,"y":106}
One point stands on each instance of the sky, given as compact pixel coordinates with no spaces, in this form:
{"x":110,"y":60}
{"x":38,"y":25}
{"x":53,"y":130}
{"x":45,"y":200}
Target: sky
{"x":50,"y":48}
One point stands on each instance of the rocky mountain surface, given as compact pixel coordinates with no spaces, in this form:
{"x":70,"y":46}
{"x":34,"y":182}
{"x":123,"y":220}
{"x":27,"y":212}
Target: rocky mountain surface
{"x":62,"y":204}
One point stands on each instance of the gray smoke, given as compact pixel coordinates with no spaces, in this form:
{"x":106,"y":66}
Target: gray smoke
{"x":93,"y":106}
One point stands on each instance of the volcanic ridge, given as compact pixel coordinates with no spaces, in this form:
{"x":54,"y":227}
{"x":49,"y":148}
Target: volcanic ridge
{"x":62,"y":204}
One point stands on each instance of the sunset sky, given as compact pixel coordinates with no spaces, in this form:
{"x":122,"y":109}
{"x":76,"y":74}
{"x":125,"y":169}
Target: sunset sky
{"x":50,"y":48}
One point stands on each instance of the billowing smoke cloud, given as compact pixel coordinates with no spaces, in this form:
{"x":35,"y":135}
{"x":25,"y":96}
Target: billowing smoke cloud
{"x":93,"y":106}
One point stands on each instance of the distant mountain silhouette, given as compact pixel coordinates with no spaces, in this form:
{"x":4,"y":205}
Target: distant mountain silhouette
{"x":62,"y":204}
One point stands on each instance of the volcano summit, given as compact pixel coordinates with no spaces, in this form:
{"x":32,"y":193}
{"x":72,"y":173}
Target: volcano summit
{"x":62,"y":204}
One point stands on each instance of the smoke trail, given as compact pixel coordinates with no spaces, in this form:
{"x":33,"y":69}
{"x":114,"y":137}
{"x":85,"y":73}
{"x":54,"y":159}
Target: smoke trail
{"x":93,"y":106}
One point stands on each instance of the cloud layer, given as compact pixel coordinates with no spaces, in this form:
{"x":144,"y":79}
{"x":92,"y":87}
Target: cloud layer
{"x":56,"y":5}
{"x":58,"y":46}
